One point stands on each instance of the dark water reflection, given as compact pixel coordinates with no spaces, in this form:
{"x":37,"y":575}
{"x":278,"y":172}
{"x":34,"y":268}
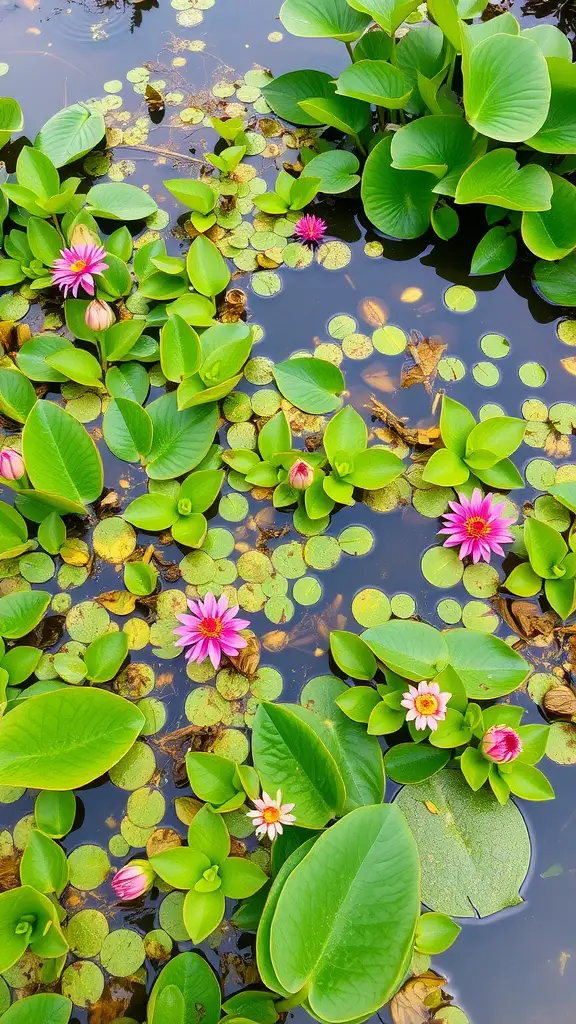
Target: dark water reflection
{"x":518,"y":966}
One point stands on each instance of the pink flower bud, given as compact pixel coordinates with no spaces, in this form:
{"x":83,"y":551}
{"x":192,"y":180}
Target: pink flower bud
{"x":301,"y":475}
{"x":501,"y":744}
{"x":134,"y":880}
{"x":11,"y":464}
{"x":99,"y":315}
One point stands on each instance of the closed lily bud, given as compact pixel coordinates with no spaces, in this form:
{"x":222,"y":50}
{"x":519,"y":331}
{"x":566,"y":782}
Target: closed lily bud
{"x":501,"y":744}
{"x":301,"y":475}
{"x":134,"y":880}
{"x":11,"y":464}
{"x":99,"y":315}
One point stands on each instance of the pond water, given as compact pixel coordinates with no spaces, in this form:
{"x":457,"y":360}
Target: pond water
{"x":519,"y":965}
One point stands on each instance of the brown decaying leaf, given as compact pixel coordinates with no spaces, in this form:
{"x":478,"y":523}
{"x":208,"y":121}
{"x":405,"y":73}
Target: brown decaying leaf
{"x":410,"y":435}
{"x":113,"y":1002}
{"x":154,"y":100}
{"x":569,"y":365}
{"x":426,"y":354}
{"x":560,"y":702}
{"x":525,"y":618}
{"x":559,"y":446}
{"x":418,"y":1000}
{"x":374,"y":312}
{"x":248,"y":659}
{"x":186,"y":808}
{"x":379,"y":379}
{"x":9,"y":872}
{"x":275,"y":640}
{"x":119,"y":602}
{"x":163,"y":839}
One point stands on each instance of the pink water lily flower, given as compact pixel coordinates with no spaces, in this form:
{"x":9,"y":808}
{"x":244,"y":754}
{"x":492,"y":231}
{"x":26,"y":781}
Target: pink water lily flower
{"x":501,"y":744}
{"x":11,"y":464}
{"x":134,"y":880}
{"x":426,"y":705}
{"x":211,"y":631}
{"x":76,"y":267}
{"x":310,"y":228}
{"x":270,"y":815}
{"x":301,"y":475}
{"x":478,"y":525}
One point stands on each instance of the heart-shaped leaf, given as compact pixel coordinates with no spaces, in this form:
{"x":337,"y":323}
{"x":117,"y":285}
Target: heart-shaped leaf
{"x":389,"y":14}
{"x":555,"y":281}
{"x":442,"y":145}
{"x":347,"y":115}
{"x":551,"y":234}
{"x":312,"y":385}
{"x":498,"y":179}
{"x":323,"y":19}
{"x":558,"y":132}
{"x":506,"y":88}
{"x":399,"y":203}
{"x":375,"y":81}
{"x":335,"y":169}
{"x":284,"y":93}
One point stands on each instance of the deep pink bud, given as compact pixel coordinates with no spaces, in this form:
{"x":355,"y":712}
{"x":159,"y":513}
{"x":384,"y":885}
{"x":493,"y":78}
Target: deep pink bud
{"x":133,"y":880}
{"x":501,"y":744}
{"x":99,"y":315}
{"x":301,"y":475}
{"x":11,"y":464}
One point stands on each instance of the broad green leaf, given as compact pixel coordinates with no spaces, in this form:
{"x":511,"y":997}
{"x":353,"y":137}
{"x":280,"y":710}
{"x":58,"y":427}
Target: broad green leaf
{"x":488,"y":667}
{"x":284,"y":93}
{"x":456,"y":422}
{"x":389,"y":14}
{"x":357,"y":755}
{"x":441,"y":145}
{"x":501,"y":435}
{"x":127,"y":429}
{"x":399,"y":203}
{"x":128,"y":381}
{"x":197,"y":310}
{"x":551,"y":234}
{"x":474,"y":853}
{"x":75,"y":312}
{"x":551,"y":40}
{"x":36,"y":172}
{"x":523,"y":581}
{"x":70,"y":134}
{"x":140,"y":578}
{"x":264,"y":960}
{"x":565,"y":493}
{"x":502,"y":475}
{"x":21,"y":611}
{"x":336,"y":170}
{"x":78,"y":365}
{"x":202,"y":913}
{"x":170,"y":1007}
{"x":436,"y":933}
{"x":54,"y":813}
{"x":104,"y":656}
{"x":323,"y":19}
{"x":17,"y":396}
{"x":289,"y":756}
{"x":120,"y":244}
{"x":374,"y":468}
{"x":498,"y":178}
{"x":445,"y":469}
{"x":312,"y":385}
{"x":179,"y":349}
{"x":558,"y":132}
{"x":13,"y":529}
{"x":495,"y":252}
{"x":60,"y":455}
{"x":44,"y":1008}
{"x":11,"y":118}
{"x":208,"y":834}
{"x":375,"y":81}
{"x":197,"y":195}
{"x":164,"y":286}
{"x":181,"y":438}
{"x":340,"y":112}
{"x":211,"y":777}
{"x":420,"y":52}
{"x":346,"y":432}
{"x":195,"y":979}
{"x":202,"y":488}
{"x":528,"y":782}
{"x":117,"y":200}
{"x":45,"y":242}
{"x":275,"y":436}
{"x":37,"y":505}
{"x":10,"y":273}
{"x":555,"y":281}
{"x":180,"y":866}
{"x":373,"y":45}
{"x":152,"y":512}
{"x":345,"y":933}
{"x":352,"y":655}
{"x":192,"y":392}
{"x":224,"y":362}
{"x":445,"y":14}
{"x":44,"y":865}
{"x":413,"y":650}
{"x":241,"y":878}
{"x":506,"y":88}
{"x":114,"y":282}
{"x":206,"y":267}
{"x":20,"y":662}
{"x":23,"y":906}
{"x":412,"y":763}
{"x":67,"y":738}
{"x":546,"y":548}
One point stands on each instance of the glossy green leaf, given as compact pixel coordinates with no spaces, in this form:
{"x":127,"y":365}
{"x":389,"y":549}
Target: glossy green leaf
{"x":389,"y":14}
{"x":312,"y":385}
{"x":206,"y":267}
{"x":506,"y":88}
{"x":375,"y":81}
{"x":105,"y":655}
{"x":21,"y":611}
{"x":323,"y":20}
{"x":551,"y":40}
{"x":54,"y":813}
{"x":399,"y":203}
{"x":340,"y":112}
{"x":179,"y":349}
{"x":495,"y":252}
{"x":555,"y":281}
{"x":117,"y":200}
{"x":180,"y":866}
{"x":44,"y":241}
{"x":197,"y":195}
{"x":11,"y":118}
{"x":211,"y":777}
{"x":140,"y":578}
{"x":523,"y":581}
{"x":127,"y":429}
{"x":528,"y":782}
{"x":152,"y":512}
{"x":78,"y":365}
{"x":501,"y":435}
{"x":60,"y":454}
{"x":436,"y":933}
{"x":546,"y":548}
{"x":17,"y":396}
{"x":181,"y":438}
{"x":202,"y":913}
{"x":456,"y":422}
{"x":551,"y":234}
{"x":558,"y":133}
{"x":352,"y":655}
{"x":497,"y":178}
{"x":442,"y":145}
{"x":44,"y":865}
{"x":43,"y":1008}
{"x":70,"y":134}
{"x":445,"y":14}
{"x":488,"y":666}
{"x":20,"y":662}
{"x":195,"y":979}
{"x":413,"y":650}
{"x":412,"y":763}
{"x":284,"y":93}
{"x":336,"y":170}
{"x":43,"y":936}
{"x":241,"y":878}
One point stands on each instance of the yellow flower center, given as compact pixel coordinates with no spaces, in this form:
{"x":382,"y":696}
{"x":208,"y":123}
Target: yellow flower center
{"x":271,"y":815}
{"x":78,"y":266}
{"x":426,"y":704}
{"x":211,"y":628}
{"x":476,"y":526}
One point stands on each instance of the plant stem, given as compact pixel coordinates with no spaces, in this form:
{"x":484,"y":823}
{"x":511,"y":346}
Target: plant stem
{"x":361,"y":147}
{"x":295,"y":1000}
{"x":451,"y":72}
{"x":350,"y":51}
{"x":381,"y":118}
{"x":57,"y":226}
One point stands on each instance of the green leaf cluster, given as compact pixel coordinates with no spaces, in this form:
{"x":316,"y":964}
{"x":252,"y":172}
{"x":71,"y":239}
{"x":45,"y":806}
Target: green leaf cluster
{"x":475,"y":451}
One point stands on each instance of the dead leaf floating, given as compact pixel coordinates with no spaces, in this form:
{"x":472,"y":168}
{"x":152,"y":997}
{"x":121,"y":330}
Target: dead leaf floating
{"x":426,"y":353}
{"x":418,"y":1000}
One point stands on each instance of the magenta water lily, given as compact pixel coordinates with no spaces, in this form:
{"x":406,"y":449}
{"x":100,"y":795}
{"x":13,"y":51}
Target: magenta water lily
{"x":133,"y":880}
{"x":11,"y":464}
{"x":76,"y":267}
{"x":478,"y":526}
{"x":310,"y":228}
{"x":501,"y":744}
{"x":212,"y":630}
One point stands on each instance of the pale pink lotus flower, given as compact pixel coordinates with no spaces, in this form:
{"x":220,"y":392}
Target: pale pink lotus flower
{"x":11,"y":464}
{"x":99,"y":316}
{"x":310,"y":228}
{"x":300,"y":475}
{"x":478,"y":525}
{"x":134,"y":880}
{"x":270,"y":815}
{"x":211,"y":631}
{"x":76,"y":267}
{"x":426,"y":705}
{"x":501,"y":744}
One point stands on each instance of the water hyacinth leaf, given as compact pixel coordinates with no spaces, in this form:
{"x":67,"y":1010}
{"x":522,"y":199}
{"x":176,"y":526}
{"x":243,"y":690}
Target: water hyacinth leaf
{"x":275,"y":436}
{"x":10,"y":273}
{"x":105,"y":655}
{"x":11,"y":118}
{"x":44,"y":938}
{"x":375,"y":81}
{"x":211,"y":777}
{"x":312,"y":385}
{"x":66,"y":739}
{"x":558,"y":133}
{"x":116,"y":200}
{"x":565,"y":493}
{"x":192,"y":392}
{"x":357,"y":755}
{"x":551,"y":234}
{"x":179,"y":349}
{"x":546,"y":548}
{"x":120,"y":339}
{"x":495,"y":252}
{"x":506,"y":88}
{"x":374,"y":858}
{"x":206,"y":267}
{"x":336,"y":170}
{"x":437,"y":144}
{"x":523,"y":581}
{"x":389,"y":14}
{"x":195,"y":979}
{"x":129,"y":381}
{"x":352,"y":655}
{"x":140,"y":578}
{"x":488,"y":666}
{"x":13,"y":530}
{"x":284,"y":93}
{"x":195,"y":194}
{"x":436,"y":933}
{"x":120,"y":244}
{"x":501,"y":436}
{"x":54,"y":813}
{"x":252,"y":1004}
{"x":412,"y":763}
{"x":346,"y":432}
{"x":445,"y":222}
{"x":181,"y":438}
{"x":17,"y":396}
{"x":289,"y":756}
{"x":20,"y":663}
{"x":127,"y":430}
{"x":169,"y":1007}
{"x":550,"y":39}
{"x":77,"y":365}
{"x":324,"y":20}
{"x":555,"y":281}
{"x":498,"y":179}
{"x":60,"y":456}
{"x":181,"y":866}
{"x":43,"y":1008}
{"x":75,"y":312}
{"x":44,"y":240}
{"x":21,"y":611}
{"x":340,"y":112}
{"x":398,"y":203}
{"x":413,"y":650}
{"x":374,"y":468}
{"x":445,"y":14}
{"x":31,"y":358}
{"x":44,"y":865}
{"x":152,"y":512}
{"x":264,"y":960}
{"x":474,"y":853}
{"x":70,"y":134}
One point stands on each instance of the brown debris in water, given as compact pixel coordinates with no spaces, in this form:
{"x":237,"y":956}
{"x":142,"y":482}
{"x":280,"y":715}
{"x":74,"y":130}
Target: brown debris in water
{"x":560,"y":702}
{"x":425,"y":436}
{"x":525,"y":618}
{"x":419,"y":999}
{"x":426,"y":353}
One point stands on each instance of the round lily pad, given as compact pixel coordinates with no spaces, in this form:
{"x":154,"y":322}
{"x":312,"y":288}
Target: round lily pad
{"x":403,"y":605}
{"x":357,"y":346}
{"x":231,"y":684}
{"x":481,"y":580}
{"x":334,"y":255}
{"x":135,"y":681}
{"x":330,"y":352}
{"x":371,"y":607}
{"x":340,"y":326}
{"x":231,"y":743}
{"x":136,"y":767}
{"x":267,"y":683}
{"x":279,"y":609}
{"x":265,"y":283}
{"x":481,"y":616}
{"x":89,"y":866}
{"x":36,"y":567}
{"x":433,"y":501}
{"x":233,"y":508}
{"x":197,"y":567}
{"x":533,"y":375}
{"x":495,"y":346}
{"x":307,"y":591}
{"x":356,"y":540}
{"x":146,"y":806}
{"x":561,"y":746}
{"x":87,"y":621}
{"x":218,"y":543}
{"x":322,"y":552}
{"x":254,"y":566}
{"x":451,"y":368}
{"x":288,"y":560}
{"x":136,"y":836}
{"x":86,"y":932}
{"x":242,"y":435}
{"x":566,"y":331}
{"x":114,"y":539}
{"x":122,"y":952}
{"x":266,"y":402}
{"x":486,"y":374}
{"x":540,"y":473}
{"x":118,"y":846}
{"x":158,"y":945}
{"x":236,"y":407}
{"x":449,"y":611}
{"x":205,"y":706}
{"x":155,"y":715}
{"x":459,"y":298}
{"x":489,"y":411}
{"x":83,"y":983}
{"x":390,"y":340}
{"x":170,"y":916}
{"x":442,"y":567}
{"x":259,"y":370}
